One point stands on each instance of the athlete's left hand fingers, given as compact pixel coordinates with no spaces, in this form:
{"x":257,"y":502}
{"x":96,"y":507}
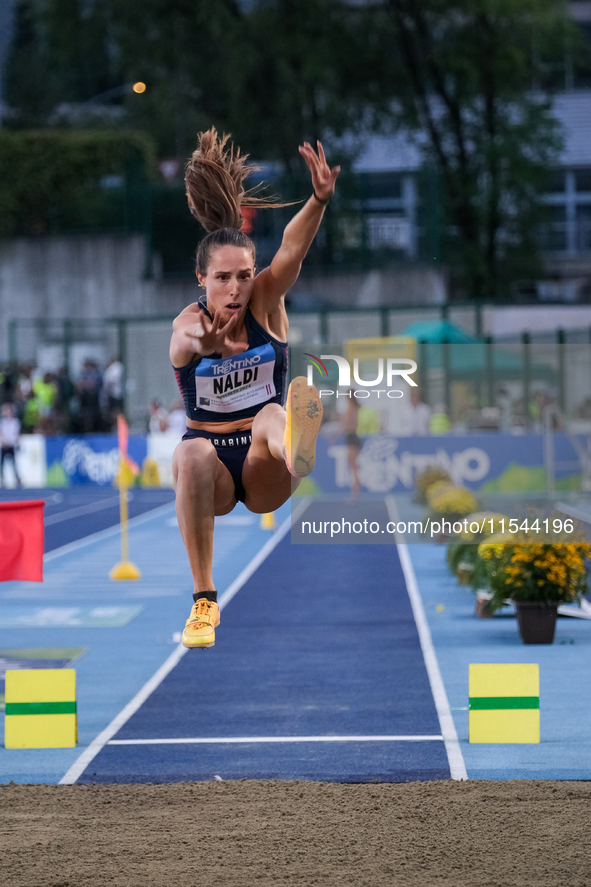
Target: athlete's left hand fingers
{"x":204,"y":317}
{"x":225,"y":329}
{"x":316,"y":161}
{"x":323,"y":177}
{"x":215,"y":326}
{"x":330,"y":174}
{"x":309,"y":155}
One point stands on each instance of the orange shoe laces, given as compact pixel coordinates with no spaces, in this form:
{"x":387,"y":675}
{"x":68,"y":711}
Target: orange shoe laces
{"x":201,"y":607}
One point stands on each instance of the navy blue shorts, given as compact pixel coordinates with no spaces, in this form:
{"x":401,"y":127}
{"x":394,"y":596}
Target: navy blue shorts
{"x":231,"y":450}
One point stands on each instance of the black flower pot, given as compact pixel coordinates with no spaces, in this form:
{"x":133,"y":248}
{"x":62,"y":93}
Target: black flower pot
{"x":537,"y":621}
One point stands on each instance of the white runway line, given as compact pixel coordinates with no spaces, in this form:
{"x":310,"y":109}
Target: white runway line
{"x":448,"y":729}
{"x":242,"y":739}
{"x":574,"y":512}
{"x":79,"y":510}
{"x":110,"y":531}
{"x":82,"y":762}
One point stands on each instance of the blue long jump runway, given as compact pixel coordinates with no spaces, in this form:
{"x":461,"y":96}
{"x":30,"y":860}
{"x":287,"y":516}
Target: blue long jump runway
{"x":317,"y":674}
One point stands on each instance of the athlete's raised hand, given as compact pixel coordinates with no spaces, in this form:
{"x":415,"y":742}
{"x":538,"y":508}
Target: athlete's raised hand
{"x":323,"y":177}
{"x":208,"y":336}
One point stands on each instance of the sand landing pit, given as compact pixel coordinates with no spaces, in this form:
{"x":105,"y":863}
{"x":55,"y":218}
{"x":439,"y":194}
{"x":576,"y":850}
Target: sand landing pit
{"x":481,"y":834}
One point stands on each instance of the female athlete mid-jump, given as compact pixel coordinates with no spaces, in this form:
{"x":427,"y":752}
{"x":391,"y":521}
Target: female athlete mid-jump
{"x":229,"y":353}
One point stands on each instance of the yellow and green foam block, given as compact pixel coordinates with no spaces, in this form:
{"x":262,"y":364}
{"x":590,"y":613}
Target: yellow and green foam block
{"x":504,"y":703}
{"x":40,"y":708}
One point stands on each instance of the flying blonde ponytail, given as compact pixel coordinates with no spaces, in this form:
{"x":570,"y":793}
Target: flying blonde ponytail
{"x":214,"y":179}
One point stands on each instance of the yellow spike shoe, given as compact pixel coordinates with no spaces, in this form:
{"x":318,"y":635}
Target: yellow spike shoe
{"x":200,"y":627}
{"x":304,"y":415}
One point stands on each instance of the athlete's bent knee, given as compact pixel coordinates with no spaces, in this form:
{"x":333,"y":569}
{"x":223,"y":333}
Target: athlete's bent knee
{"x":269,"y":411}
{"x":194,"y":462}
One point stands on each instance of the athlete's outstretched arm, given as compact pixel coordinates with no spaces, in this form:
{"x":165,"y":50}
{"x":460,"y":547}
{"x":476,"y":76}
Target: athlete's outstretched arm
{"x":273,"y":282}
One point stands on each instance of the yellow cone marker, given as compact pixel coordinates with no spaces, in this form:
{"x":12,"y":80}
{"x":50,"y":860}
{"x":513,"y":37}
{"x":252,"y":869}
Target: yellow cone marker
{"x":40,"y":708}
{"x":124,"y":569}
{"x":268,"y":521}
{"x":125,"y":477}
{"x":504,"y":703}
{"x":150,"y":476}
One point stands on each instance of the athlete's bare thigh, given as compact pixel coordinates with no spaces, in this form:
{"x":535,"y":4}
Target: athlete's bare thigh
{"x":193,"y":464}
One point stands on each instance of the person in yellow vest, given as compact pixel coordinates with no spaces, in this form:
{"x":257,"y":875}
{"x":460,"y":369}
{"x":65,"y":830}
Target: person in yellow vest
{"x":368,"y":421}
{"x":439,"y":422}
{"x":45,"y":390}
{"x":30,"y":414}
{"x":45,"y":393}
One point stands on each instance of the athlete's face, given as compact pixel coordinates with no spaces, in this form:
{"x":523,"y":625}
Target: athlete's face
{"x":229,"y":280}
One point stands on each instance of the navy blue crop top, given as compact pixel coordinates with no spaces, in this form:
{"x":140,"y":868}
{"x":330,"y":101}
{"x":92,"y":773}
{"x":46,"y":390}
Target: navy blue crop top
{"x":223,"y":389}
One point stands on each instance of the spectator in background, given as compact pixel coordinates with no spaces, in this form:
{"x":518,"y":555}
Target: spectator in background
{"x":177,"y":419}
{"x":26,"y":400}
{"x":28,"y":415}
{"x":348,"y":421}
{"x":158,"y":418}
{"x":439,"y":422}
{"x":112,"y":393}
{"x":420,"y":413}
{"x":368,"y":421}
{"x":537,"y":409}
{"x":24,"y":385}
{"x":8,"y":382}
{"x":505,"y":402}
{"x":45,"y":392}
{"x":9,"y":432}
{"x":88,"y":390}
{"x":64,"y":399}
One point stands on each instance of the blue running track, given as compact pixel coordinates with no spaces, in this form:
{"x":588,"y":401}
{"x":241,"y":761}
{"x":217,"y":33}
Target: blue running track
{"x":320,"y":643}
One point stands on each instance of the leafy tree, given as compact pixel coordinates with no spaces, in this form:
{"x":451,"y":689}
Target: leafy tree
{"x":181,"y":50}
{"x":304,"y":69}
{"x":26,"y":73}
{"x":59,"y":55}
{"x":468,"y":69}
{"x":272,"y":72}
{"x":470,"y":79}
{"x":43,"y":172}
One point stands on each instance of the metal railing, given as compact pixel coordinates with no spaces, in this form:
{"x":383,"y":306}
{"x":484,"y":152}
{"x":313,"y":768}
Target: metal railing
{"x":504,"y":375}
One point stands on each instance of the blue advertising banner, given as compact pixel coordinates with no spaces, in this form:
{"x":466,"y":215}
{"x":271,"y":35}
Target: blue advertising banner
{"x":88,"y":459}
{"x":493,"y":462}
{"x":488,"y":462}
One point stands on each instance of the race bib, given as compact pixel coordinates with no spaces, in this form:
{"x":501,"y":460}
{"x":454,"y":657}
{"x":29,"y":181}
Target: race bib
{"x":229,"y":384}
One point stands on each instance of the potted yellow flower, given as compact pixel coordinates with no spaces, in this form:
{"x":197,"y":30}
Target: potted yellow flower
{"x":449,"y":505}
{"x":463,"y":558}
{"x":462,"y":555}
{"x":537,"y":577}
{"x":425,"y":479}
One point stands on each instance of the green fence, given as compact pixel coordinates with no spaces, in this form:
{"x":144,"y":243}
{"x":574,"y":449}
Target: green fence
{"x":510,"y":376}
